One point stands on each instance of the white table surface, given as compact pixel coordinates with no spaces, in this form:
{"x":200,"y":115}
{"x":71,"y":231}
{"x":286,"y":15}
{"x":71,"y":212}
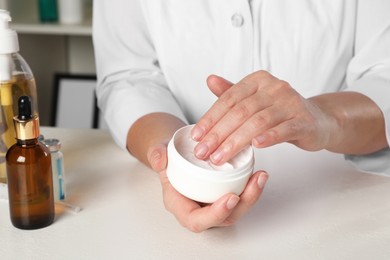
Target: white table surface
{"x":315,"y":206}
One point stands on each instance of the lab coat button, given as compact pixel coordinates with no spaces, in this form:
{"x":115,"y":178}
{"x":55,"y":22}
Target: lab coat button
{"x":237,"y":20}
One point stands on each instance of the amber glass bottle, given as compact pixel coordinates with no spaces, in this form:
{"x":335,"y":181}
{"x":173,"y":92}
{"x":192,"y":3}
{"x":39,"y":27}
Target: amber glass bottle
{"x":30,"y":185}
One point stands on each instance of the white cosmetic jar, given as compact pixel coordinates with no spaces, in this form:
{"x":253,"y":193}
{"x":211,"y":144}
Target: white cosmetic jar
{"x":200,"y":180}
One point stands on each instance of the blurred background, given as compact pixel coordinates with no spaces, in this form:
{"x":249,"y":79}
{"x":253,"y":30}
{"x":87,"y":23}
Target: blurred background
{"x":53,"y":47}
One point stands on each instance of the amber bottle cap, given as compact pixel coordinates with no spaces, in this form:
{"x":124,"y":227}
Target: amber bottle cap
{"x":26,"y":125}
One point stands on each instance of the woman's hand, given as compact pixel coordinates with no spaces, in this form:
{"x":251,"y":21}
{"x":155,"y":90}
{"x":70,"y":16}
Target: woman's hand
{"x":260,"y":110}
{"x":196,"y":216}
{"x":263,"y":110}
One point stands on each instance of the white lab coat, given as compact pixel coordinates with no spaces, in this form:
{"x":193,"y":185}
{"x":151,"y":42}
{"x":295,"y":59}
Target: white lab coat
{"x":155,"y":55}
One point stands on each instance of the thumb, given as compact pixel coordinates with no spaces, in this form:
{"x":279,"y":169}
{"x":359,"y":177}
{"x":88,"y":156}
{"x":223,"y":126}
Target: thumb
{"x":218,"y":85}
{"x":157,"y":157}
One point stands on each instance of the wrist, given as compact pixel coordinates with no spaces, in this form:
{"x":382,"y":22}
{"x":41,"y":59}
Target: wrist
{"x":355,"y":123}
{"x":331,"y":121}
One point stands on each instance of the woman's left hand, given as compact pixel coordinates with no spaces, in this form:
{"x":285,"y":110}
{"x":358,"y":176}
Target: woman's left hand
{"x":198,"y":217}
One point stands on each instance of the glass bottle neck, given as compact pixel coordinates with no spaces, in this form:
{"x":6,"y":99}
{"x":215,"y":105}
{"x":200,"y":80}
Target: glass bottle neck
{"x":28,"y":142}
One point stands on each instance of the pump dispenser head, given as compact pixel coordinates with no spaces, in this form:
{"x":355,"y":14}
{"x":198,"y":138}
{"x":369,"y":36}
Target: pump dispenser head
{"x":8,"y":44}
{"x":26,"y":125}
{"x":9,"y":39}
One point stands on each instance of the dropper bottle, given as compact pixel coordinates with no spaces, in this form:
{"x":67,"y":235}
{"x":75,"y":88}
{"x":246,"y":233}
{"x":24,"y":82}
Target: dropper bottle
{"x":29,"y":173}
{"x":16,"y":79}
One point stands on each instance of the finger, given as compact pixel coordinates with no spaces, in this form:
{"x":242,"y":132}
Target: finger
{"x":157,"y":157}
{"x":246,"y":87}
{"x":249,"y":197}
{"x":218,"y":85}
{"x":212,"y":215}
{"x":224,"y":135}
{"x":225,"y":128}
{"x":227,"y":123}
{"x":225,"y":102}
{"x":257,"y":124}
{"x":251,"y":117}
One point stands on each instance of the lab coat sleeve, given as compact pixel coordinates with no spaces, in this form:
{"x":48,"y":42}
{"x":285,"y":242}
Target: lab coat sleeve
{"x":130,"y":82}
{"x":369,"y":73}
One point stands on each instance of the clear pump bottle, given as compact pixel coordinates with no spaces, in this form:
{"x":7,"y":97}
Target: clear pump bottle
{"x":16,"y":79}
{"x":30,"y":182}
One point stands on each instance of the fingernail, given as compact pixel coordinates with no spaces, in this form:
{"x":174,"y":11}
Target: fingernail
{"x":217,"y":157}
{"x":201,"y":150}
{"x":196,"y":133}
{"x":262,"y":179}
{"x":232,"y":202}
{"x":258,"y":140}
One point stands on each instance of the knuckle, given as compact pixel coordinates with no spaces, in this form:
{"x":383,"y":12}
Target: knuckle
{"x":227,"y":100}
{"x":241,"y":112}
{"x":283,"y":88}
{"x":262,"y":73}
{"x":284,"y":85}
{"x":229,"y":221}
{"x":275,"y":135}
{"x":218,"y":218}
{"x":230,"y":145}
{"x":258,"y":121}
{"x":290,"y":132}
{"x":293,"y":128}
{"x":194,"y":227}
{"x":206,"y":122}
{"x":213,"y":138}
{"x":251,"y":201}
